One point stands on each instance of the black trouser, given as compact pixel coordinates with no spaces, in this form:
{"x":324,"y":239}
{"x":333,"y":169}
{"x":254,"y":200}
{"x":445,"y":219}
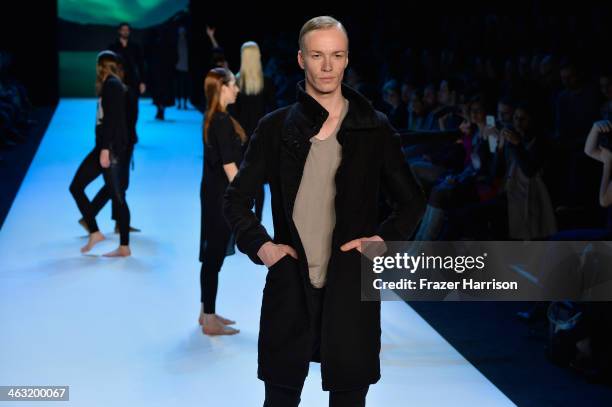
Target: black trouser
{"x":277,"y":396}
{"x":280,"y":396}
{"x":88,"y":171}
{"x":213,"y":256}
{"x":102,"y":197}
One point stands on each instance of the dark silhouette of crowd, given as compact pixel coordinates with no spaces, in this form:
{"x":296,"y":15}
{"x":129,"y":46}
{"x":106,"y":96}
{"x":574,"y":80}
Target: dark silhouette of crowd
{"x":15,"y":107}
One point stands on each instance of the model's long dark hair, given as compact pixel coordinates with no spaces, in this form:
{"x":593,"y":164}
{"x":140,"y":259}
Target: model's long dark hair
{"x":216,"y":78}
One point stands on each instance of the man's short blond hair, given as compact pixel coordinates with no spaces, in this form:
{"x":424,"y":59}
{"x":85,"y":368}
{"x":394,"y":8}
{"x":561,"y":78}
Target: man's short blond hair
{"x":319,"y":23}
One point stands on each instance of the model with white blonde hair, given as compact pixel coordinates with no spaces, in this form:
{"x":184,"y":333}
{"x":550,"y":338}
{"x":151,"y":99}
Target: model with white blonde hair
{"x":257,"y":97}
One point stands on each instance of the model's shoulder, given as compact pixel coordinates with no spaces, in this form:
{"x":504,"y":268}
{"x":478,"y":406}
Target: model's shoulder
{"x":221,"y":120}
{"x":383,"y":121}
{"x":219,"y":115}
{"x":275,"y":116}
{"x":381,"y":118}
{"x":113,"y":85}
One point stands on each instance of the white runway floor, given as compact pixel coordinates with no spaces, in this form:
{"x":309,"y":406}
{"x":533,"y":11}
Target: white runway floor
{"x":124,"y":332}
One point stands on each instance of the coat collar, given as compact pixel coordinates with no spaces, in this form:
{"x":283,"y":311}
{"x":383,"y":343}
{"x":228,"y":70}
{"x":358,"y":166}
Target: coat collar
{"x":360,"y":115}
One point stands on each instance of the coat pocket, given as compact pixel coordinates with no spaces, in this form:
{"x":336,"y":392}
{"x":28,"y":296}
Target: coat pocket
{"x":273,"y":269}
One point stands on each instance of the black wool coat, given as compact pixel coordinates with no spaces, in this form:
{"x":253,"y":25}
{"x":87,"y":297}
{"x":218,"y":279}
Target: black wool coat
{"x":371,"y":163}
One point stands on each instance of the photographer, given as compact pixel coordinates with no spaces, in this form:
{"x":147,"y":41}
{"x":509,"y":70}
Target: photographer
{"x":598,"y":146}
{"x":593,"y":354}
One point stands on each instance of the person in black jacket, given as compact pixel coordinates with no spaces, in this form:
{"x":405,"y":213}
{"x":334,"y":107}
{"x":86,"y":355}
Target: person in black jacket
{"x":109,"y":156}
{"x":326,"y":157}
{"x":223,"y":140}
{"x":162,"y":56}
{"x":131,"y":60}
{"x":256,"y":98}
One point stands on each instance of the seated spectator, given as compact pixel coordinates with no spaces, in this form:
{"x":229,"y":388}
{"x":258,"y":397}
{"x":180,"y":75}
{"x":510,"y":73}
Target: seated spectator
{"x":457,"y":189}
{"x":446,"y":115}
{"x":605,"y":87}
{"x":407,"y":89}
{"x":14,"y":107}
{"x":577,"y":107}
{"x":430,"y":99}
{"x":530,"y":211}
{"x":593,"y":352}
{"x":394,"y":106}
{"x":416,"y":112}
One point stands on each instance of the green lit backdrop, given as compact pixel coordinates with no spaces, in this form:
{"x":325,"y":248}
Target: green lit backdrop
{"x":88,"y":26}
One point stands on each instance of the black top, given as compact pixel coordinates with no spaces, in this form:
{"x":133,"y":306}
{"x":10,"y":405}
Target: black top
{"x":111,"y":126}
{"x":249,"y":109}
{"x":133,"y":62}
{"x":223,"y":147}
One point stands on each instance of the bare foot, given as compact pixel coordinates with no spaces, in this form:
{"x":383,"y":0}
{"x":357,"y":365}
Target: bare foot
{"x":225,"y":321}
{"x":201,"y":317}
{"x":94,"y":238}
{"x":212,"y":326}
{"x":121,"y":251}
{"x":219,"y":318}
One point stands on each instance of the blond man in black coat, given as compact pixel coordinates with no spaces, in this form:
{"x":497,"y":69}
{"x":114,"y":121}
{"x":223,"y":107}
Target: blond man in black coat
{"x":327,"y":158}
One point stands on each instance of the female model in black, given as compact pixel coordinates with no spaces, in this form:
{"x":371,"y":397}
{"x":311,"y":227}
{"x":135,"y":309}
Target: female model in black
{"x":223,"y":141}
{"x":109,"y":156}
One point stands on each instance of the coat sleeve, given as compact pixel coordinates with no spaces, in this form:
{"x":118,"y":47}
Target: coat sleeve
{"x":401,"y":189}
{"x":240,"y":195}
{"x":112,"y":92}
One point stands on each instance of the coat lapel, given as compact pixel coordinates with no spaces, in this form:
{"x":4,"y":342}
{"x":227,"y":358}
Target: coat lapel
{"x":304,"y":120}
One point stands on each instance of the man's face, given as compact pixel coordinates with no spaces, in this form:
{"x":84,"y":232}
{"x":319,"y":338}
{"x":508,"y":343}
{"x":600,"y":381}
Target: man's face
{"x":391,"y":97}
{"x":504,"y":113}
{"x":477,"y":113}
{"x":444,"y":93}
{"x":429,"y":97}
{"x":324,"y":58}
{"x":521,"y":120}
{"x":568,"y":77}
{"x":124,"y":32}
{"x":407,"y":90}
{"x":416,"y":104}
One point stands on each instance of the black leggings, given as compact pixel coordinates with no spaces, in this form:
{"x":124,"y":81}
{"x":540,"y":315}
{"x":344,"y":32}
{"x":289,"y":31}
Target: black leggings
{"x":103,"y":195}
{"x":88,"y":171}
{"x":214,"y":253}
{"x":277,"y":396}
